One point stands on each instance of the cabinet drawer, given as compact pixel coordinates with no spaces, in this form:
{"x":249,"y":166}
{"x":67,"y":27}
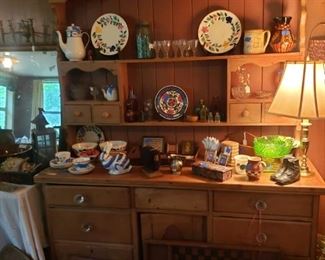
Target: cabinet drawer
{"x":291,"y":238}
{"x":270,"y":204}
{"x":147,"y":198}
{"x":75,"y":251}
{"x":74,"y":114}
{"x":245,"y":113}
{"x":106,"y":114}
{"x":173,"y":227}
{"x":90,"y":225}
{"x":110,"y":197}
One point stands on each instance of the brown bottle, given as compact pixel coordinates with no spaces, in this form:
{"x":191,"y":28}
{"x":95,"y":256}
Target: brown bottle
{"x":131,"y":108}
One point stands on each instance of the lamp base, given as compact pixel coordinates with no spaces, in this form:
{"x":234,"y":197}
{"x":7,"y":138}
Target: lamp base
{"x":305,"y":172}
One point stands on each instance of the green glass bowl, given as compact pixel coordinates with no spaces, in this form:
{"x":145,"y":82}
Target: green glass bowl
{"x":273,"y":146}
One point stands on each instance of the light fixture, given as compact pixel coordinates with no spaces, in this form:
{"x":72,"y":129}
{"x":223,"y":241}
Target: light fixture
{"x":301,"y":94}
{"x":8,"y":61}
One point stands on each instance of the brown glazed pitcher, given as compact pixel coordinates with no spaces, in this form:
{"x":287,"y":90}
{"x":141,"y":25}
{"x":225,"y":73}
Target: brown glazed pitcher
{"x":254,"y":168}
{"x":282,"y":39}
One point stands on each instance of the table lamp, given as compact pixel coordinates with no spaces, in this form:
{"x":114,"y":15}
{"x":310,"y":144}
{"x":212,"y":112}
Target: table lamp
{"x":301,"y":94}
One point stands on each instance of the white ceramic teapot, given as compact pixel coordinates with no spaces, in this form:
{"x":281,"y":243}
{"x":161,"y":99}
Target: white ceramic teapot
{"x":74,"y":49}
{"x":110,"y":93}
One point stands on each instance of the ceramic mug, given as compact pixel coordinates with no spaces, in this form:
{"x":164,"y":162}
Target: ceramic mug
{"x":241,"y":161}
{"x":255,"y":41}
{"x":254,"y":168}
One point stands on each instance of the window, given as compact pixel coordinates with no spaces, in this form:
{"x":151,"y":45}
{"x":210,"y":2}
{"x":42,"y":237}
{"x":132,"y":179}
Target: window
{"x":52,"y":102}
{"x":6,"y":107}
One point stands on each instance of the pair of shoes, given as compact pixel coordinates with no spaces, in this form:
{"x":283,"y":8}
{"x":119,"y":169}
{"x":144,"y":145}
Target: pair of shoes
{"x":289,"y":172}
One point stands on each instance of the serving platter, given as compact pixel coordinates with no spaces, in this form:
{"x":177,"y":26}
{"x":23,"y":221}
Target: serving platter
{"x":79,"y":171}
{"x":219,"y":31}
{"x":171,"y":102}
{"x":109,"y":34}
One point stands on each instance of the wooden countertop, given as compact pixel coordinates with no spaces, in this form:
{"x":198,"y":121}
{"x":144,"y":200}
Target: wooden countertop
{"x":136,"y":178}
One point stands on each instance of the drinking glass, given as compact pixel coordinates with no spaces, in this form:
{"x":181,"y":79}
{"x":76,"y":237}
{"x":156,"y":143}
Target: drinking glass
{"x":165,"y":44}
{"x":182,"y":47}
{"x":156,"y":46}
{"x":175,"y":48}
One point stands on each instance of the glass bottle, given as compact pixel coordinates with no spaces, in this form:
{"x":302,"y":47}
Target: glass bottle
{"x":131,"y":105}
{"x":282,"y":39}
{"x":203,"y":113}
{"x":143,"y":40}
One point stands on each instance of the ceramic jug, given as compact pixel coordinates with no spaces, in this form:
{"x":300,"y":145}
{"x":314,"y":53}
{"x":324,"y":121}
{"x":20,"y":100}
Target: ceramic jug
{"x":282,"y":39}
{"x":74,"y":49}
{"x":254,"y":168}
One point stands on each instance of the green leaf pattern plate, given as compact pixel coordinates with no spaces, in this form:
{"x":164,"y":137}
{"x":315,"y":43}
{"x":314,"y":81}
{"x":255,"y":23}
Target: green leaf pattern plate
{"x":109,"y":34}
{"x":219,"y":31}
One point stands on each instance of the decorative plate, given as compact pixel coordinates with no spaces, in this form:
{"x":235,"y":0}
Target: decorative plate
{"x":109,"y":34}
{"x":171,"y":102}
{"x":91,"y":134}
{"x":219,"y":31}
{"x":79,"y":171}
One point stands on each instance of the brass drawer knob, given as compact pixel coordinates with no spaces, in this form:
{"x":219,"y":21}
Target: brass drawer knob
{"x":260,"y":205}
{"x":261,"y":238}
{"x":79,"y":199}
{"x":77,"y":113}
{"x":87,"y":228}
{"x":106,"y":115}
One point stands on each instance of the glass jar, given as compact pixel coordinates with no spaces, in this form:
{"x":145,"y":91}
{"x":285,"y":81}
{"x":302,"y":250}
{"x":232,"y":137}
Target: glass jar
{"x":241,"y":88}
{"x":131,"y":108}
{"x":282,"y":39}
{"x":143,"y":41}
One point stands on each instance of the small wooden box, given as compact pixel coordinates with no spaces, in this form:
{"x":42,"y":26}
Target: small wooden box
{"x":212,"y":171}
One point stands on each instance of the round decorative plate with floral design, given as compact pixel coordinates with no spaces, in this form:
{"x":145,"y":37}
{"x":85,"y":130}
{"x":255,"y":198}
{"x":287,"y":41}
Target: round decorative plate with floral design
{"x":171,"y":102}
{"x":219,"y":31}
{"x":109,"y":34}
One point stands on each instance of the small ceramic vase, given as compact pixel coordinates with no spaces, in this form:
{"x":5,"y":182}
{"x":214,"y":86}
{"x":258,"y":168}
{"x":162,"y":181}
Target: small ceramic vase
{"x":282,"y":39}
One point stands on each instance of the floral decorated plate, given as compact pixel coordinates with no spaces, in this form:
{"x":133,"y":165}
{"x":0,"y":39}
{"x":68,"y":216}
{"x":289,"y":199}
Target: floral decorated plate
{"x":109,"y":34}
{"x":171,"y":102}
{"x":79,"y":171}
{"x":219,"y":31}
{"x":91,"y":134}
{"x":54,"y":163}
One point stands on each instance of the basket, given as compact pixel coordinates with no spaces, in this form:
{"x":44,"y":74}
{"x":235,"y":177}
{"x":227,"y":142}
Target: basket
{"x":317,"y":49}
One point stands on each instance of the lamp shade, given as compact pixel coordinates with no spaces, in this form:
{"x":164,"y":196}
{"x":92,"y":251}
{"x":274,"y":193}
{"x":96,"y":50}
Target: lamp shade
{"x":301,"y":93}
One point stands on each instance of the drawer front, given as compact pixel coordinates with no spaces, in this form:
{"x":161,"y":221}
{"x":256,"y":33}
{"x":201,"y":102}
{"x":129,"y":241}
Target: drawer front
{"x":75,"y":251}
{"x":270,"y":118}
{"x":173,"y":227}
{"x":74,"y":114}
{"x":90,"y":225}
{"x":146,"y":198}
{"x":245,"y":113}
{"x":107,"y":114}
{"x":81,"y":196}
{"x":270,"y":204}
{"x":273,"y":234}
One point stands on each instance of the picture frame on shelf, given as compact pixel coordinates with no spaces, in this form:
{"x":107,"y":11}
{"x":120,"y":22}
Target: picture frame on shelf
{"x":157,"y":142}
{"x":187,"y":148}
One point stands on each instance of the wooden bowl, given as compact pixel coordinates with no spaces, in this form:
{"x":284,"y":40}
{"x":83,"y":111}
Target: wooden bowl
{"x":191,"y":118}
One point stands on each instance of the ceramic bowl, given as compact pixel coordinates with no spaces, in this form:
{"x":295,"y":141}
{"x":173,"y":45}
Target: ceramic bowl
{"x":117,"y":145}
{"x":85,"y":149}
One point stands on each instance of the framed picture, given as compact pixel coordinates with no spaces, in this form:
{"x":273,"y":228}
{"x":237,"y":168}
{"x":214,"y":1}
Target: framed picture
{"x":187,"y":148}
{"x":156,"y":142}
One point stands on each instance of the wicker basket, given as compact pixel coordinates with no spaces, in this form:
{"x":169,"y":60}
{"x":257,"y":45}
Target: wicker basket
{"x":317,"y":49}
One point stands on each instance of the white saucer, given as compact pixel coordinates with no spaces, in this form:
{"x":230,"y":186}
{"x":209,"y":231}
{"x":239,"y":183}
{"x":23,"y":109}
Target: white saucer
{"x":80,"y":171}
{"x":57,"y":165}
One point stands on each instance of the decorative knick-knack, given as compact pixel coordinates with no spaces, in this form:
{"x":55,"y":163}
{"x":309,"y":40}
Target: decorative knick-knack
{"x":282,"y":39}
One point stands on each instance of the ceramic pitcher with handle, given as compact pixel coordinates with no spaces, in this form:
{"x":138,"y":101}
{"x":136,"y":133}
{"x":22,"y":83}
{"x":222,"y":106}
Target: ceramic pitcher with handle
{"x":74,"y":49}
